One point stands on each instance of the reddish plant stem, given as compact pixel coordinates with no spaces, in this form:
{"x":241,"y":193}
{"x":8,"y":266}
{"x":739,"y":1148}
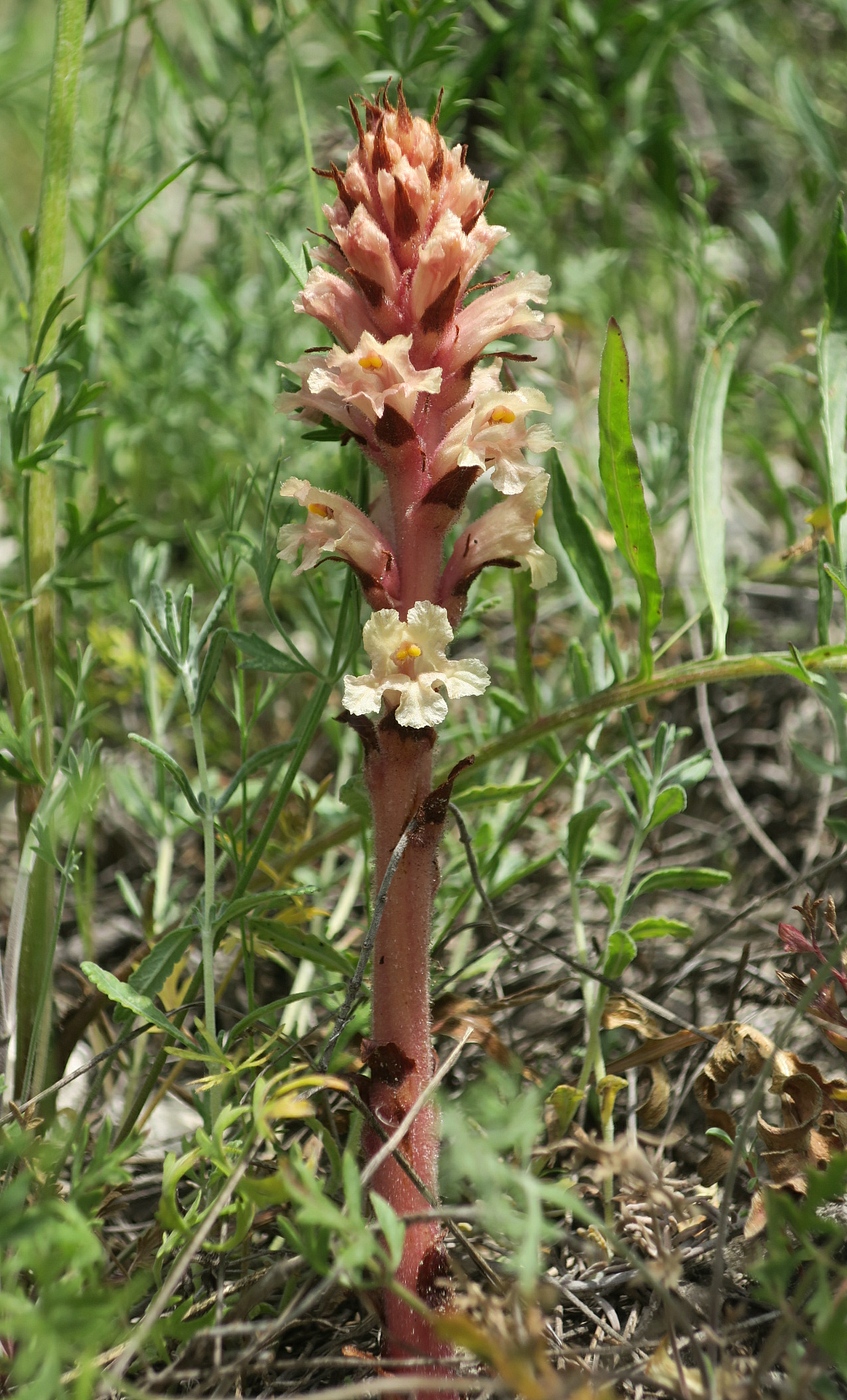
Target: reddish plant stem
{"x":398,"y":771}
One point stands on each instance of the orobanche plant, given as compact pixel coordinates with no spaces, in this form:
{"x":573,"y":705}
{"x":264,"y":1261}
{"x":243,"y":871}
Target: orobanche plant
{"x":410,"y":380}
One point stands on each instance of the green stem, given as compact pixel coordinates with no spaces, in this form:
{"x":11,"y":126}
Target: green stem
{"x":12,"y":668}
{"x":303,"y":119}
{"x":47,"y":279}
{"x":40,"y":497}
{"x":207,"y":932}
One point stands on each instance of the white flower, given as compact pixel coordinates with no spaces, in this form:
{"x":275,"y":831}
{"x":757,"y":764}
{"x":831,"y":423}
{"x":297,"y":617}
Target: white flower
{"x":504,"y":533}
{"x":494,"y":433}
{"x":333,"y":526}
{"x":409,"y":664}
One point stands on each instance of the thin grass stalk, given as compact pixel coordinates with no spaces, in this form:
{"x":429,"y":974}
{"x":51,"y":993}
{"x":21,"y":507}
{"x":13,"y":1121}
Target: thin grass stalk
{"x":40,"y":508}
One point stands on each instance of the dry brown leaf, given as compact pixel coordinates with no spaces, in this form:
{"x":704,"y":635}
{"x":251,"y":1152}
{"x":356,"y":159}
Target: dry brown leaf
{"x":728,"y":1382}
{"x":621,"y":1013}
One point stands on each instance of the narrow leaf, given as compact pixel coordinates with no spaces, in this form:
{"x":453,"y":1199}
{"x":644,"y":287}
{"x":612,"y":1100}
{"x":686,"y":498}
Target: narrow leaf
{"x":578,"y":542}
{"x":154,"y":635}
{"x":295,"y":263}
{"x":705,"y":466}
{"x":173,"y":768}
{"x":681,"y":877}
{"x":209,"y":669}
{"x":659,"y":928}
{"x":214,"y":613}
{"x":139,"y":1005}
{"x":259,"y":655}
{"x":580,"y":828}
{"x":621,"y":478}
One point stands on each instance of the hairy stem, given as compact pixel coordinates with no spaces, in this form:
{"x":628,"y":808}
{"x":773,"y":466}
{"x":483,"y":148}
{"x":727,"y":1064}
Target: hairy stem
{"x":398,"y":771}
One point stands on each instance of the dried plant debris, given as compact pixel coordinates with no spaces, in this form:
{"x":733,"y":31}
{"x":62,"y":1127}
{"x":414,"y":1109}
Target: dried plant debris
{"x":813,"y":1108}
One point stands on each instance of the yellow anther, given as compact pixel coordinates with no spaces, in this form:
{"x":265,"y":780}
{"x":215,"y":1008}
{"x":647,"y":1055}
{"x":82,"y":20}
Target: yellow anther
{"x":407,"y":652}
{"x":536,"y":518}
{"x":502,"y":415}
{"x":372,"y":361}
{"x":315,"y":508}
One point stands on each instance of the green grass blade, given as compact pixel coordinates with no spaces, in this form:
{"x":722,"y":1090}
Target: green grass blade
{"x":621,"y":478}
{"x":705,"y":467}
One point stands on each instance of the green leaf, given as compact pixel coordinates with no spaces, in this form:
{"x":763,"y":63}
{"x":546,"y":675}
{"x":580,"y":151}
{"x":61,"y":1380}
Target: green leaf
{"x":151,"y":974}
{"x":123,"y":995}
{"x":578,"y":542}
{"x":304,"y":946}
{"x":259,"y":655}
{"x":624,"y":489}
{"x":705,"y":466}
{"x":173,"y":768}
{"x":659,"y":928}
{"x":681,"y":877}
{"x":580,"y":828}
{"x":214,"y":613}
{"x":393,"y":1229}
{"x":209,"y":669}
{"x":838,"y":827}
{"x":154,"y":634}
{"x":816,"y":764}
{"x":799,"y":107}
{"x":295,"y":263}
{"x":668,"y":804}
{"x":484,"y":795}
{"x":835,"y":272}
{"x":621,"y":950}
{"x":508,"y":704}
{"x":354,"y":795}
{"x":258,"y":760}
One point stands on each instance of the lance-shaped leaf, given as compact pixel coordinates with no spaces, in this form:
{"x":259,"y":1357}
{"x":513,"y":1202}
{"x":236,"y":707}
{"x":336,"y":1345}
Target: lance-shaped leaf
{"x":621,"y":478}
{"x":832,"y":379}
{"x":135,"y":1002}
{"x":578,"y":542}
{"x":705,"y":466}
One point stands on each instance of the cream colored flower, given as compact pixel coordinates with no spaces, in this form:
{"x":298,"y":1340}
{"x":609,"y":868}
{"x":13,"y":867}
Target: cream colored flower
{"x":374,"y":374}
{"x":332,"y":526}
{"x":504,"y":533}
{"x":494,"y":433}
{"x":502,"y":311}
{"x":409,"y":666}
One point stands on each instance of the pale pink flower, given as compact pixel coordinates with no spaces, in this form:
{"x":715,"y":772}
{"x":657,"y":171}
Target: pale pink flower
{"x":337,"y":305}
{"x":372,"y":375}
{"x":500,"y":312}
{"x":409,"y":667}
{"x":494,"y":434}
{"x":406,"y":196}
{"x":448,"y":258}
{"x":334,"y":526}
{"x":503,"y":535}
{"x":368,"y":252}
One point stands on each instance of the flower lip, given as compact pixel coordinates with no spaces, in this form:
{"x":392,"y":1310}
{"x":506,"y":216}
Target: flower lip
{"x":409,"y":667}
{"x":372,"y":377}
